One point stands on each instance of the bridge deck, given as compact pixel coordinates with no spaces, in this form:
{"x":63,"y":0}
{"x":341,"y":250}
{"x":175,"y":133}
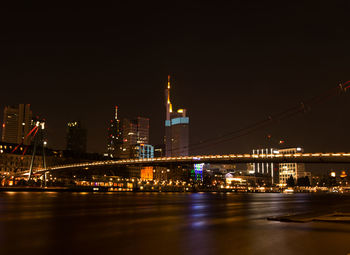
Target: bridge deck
{"x":340,"y":157}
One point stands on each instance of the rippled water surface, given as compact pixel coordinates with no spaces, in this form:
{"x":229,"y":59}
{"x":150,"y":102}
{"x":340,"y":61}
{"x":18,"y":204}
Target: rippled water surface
{"x":168,"y":223}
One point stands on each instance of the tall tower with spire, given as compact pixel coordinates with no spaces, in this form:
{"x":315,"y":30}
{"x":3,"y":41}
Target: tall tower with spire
{"x":176,"y":128}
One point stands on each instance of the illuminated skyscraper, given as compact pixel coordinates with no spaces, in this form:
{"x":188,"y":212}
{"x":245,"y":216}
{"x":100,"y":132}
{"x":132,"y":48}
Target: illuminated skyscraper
{"x":17,"y":124}
{"x":135,"y":133}
{"x":176,"y":128}
{"x":115,"y":139}
{"x":142,"y":130}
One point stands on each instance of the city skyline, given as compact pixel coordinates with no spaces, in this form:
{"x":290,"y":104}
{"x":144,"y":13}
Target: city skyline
{"x":195,"y":127}
{"x":225,"y":77}
{"x":274,"y":141}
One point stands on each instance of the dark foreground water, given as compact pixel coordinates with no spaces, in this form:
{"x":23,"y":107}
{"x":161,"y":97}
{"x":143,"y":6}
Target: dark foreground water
{"x":167,"y":223}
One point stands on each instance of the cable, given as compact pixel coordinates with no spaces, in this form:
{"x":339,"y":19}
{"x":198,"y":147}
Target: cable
{"x":302,"y":107}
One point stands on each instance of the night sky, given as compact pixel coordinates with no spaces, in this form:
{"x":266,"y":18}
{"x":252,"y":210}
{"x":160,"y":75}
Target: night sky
{"x":233,"y":63}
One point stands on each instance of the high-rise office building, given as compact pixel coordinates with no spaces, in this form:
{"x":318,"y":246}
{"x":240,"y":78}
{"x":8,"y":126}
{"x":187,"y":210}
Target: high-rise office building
{"x":176,"y":128}
{"x":17,"y":124}
{"x":142,"y":130}
{"x":135,"y":132}
{"x":115,"y":139}
{"x":76,"y":137}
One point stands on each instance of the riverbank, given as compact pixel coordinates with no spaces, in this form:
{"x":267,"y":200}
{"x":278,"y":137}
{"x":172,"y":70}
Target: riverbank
{"x":118,"y":190}
{"x":48,"y":189}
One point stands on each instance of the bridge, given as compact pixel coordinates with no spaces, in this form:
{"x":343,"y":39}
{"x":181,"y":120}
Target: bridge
{"x":340,"y":157}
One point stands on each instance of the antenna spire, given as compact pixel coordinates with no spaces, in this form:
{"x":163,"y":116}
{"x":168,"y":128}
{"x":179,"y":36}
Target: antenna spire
{"x":168,"y":81}
{"x":116,"y":113}
{"x":169,"y":107}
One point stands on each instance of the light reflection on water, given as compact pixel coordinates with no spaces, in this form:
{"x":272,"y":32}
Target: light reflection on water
{"x":167,"y":223}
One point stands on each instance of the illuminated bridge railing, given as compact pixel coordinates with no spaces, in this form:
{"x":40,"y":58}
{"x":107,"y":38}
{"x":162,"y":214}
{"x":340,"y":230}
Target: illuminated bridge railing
{"x":340,"y":157}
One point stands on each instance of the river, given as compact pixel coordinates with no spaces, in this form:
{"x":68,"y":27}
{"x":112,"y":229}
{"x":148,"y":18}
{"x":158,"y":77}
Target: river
{"x":168,"y":223}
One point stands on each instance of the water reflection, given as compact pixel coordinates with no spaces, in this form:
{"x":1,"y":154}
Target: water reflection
{"x":166,"y":223}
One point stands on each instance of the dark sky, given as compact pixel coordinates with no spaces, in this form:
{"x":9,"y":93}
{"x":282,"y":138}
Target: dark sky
{"x":233,"y":63}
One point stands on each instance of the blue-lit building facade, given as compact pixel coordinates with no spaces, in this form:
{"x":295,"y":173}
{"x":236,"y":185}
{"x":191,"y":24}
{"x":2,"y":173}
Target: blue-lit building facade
{"x":176,"y":129}
{"x":197,"y":172}
{"x":143,"y":151}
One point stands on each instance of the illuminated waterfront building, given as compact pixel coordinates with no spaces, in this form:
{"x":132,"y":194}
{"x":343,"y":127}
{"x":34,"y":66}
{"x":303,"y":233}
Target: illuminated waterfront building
{"x":197,"y":172}
{"x":176,"y":129}
{"x":76,"y":137}
{"x":270,"y":169}
{"x":147,"y":173}
{"x":11,"y":163}
{"x":115,"y":139}
{"x":17,"y":124}
{"x":296,"y":170}
{"x":15,"y":158}
{"x":234,"y":180}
